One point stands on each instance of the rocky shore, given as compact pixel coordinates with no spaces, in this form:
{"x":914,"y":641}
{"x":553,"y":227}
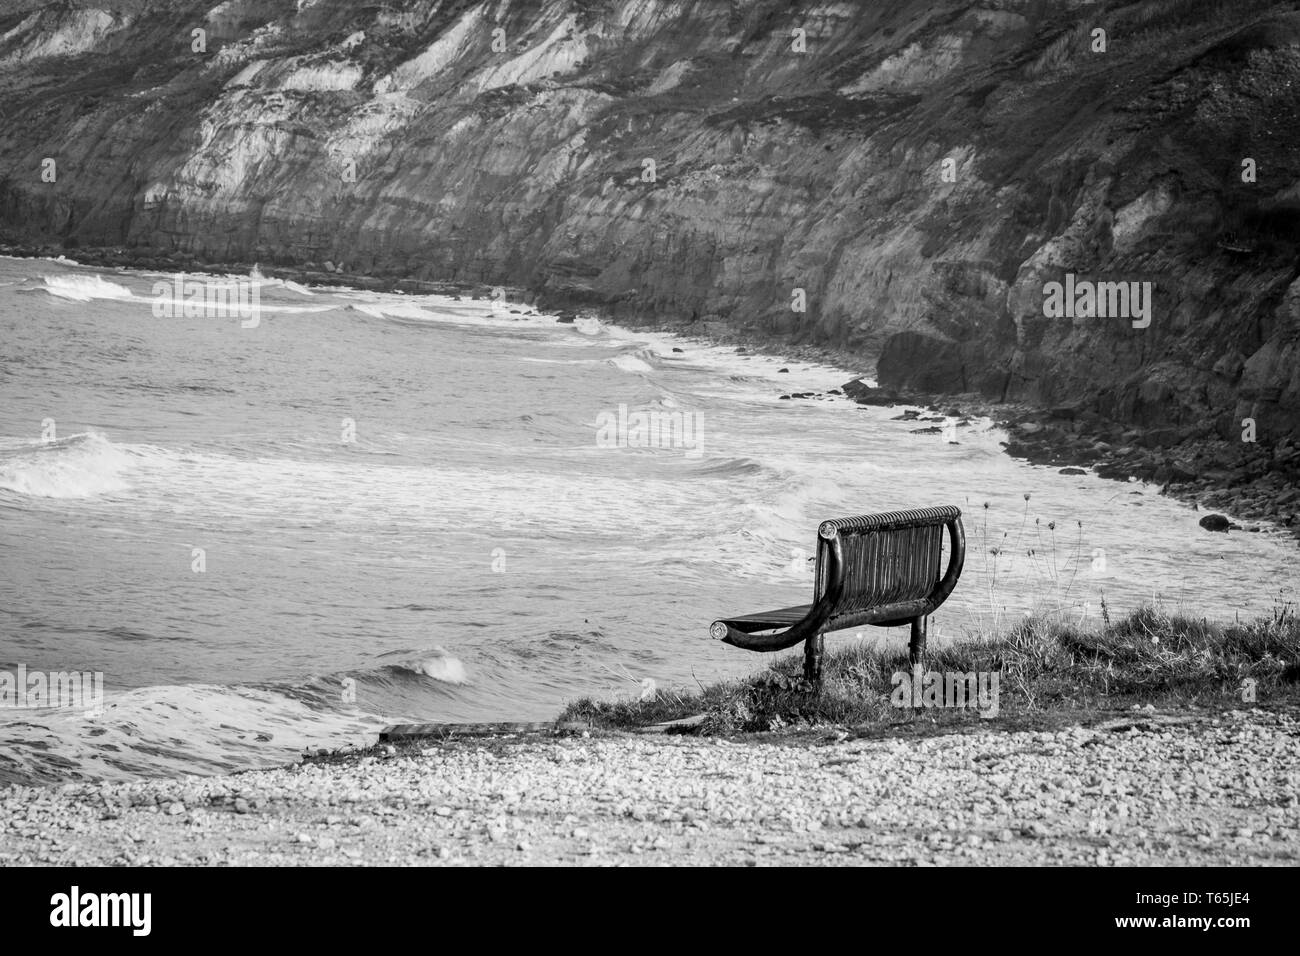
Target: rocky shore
{"x":1252,"y":480}
{"x":1188,"y":788}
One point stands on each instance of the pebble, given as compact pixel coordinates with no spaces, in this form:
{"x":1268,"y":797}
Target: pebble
{"x":1149,"y":798}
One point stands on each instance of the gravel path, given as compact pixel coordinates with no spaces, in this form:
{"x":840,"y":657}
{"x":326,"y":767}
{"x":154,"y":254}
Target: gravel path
{"x":1212,"y":790}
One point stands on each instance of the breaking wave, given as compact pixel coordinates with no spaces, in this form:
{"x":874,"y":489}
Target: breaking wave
{"x":83,"y":288}
{"x":79,"y":466}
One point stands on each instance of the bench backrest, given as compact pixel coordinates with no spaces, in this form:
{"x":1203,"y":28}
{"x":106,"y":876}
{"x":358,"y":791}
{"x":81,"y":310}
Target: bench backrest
{"x":889,"y":559}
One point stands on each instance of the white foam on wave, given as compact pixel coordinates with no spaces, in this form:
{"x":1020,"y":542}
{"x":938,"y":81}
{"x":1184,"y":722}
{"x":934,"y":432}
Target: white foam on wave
{"x":83,"y":288}
{"x":443,"y":668}
{"x":730,"y":367}
{"x":630,"y":363}
{"x":79,"y":466}
{"x":445,"y":309}
{"x":173,"y":730}
{"x":767,"y":533}
{"x":164,"y":294}
{"x":395,"y":310}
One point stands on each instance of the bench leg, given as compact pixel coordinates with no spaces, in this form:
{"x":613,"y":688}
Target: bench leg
{"x":916,"y":648}
{"x":812,"y":660}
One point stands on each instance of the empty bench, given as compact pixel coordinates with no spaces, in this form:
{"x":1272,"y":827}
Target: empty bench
{"x":878,"y":569}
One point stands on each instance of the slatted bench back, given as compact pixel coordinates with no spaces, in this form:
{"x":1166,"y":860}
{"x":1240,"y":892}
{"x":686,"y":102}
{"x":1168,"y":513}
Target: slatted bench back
{"x":888,"y":558}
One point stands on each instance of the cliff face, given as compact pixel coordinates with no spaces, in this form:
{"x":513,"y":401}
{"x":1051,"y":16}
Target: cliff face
{"x":919,"y":168}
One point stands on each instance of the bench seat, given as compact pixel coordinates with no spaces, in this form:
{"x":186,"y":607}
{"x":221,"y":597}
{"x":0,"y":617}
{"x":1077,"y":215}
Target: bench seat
{"x":781,"y":617}
{"x":888,"y":615}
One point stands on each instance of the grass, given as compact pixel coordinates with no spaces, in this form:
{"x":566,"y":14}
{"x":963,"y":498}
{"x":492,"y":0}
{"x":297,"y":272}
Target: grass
{"x":1045,"y":667}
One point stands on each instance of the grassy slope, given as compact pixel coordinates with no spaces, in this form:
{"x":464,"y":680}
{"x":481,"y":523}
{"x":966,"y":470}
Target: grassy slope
{"x":1046,"y":669}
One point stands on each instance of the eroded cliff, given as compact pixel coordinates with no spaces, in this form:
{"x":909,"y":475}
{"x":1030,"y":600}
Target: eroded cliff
{"x":921,"y":170}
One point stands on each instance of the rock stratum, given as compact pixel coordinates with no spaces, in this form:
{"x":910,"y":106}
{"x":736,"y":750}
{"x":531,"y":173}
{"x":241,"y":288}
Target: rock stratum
{"x":920,"y":169}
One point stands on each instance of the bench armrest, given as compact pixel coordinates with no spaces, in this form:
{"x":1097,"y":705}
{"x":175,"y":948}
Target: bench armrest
{"x":813,"y":621}
{"x":956,"y":560}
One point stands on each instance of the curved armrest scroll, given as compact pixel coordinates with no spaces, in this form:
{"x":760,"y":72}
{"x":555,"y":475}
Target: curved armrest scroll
{"x":812,"y":623}
{"x":956,"y":560}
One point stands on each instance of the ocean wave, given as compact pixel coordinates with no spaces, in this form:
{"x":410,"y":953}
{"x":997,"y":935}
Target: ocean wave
{"x":631,"y":362}
{"x":163,"y":296}
{"x":548,"y":361}
{"x":411,"y":671}
{"x":732,"y":467}
{"x":442,"y":309}
{"x":79,"y":466}
{"x":442,"y":668}
{"x":167,"y":730}
{"x":83,"y":288}
{"x":173,"y":730}
{"x":394,"y":310}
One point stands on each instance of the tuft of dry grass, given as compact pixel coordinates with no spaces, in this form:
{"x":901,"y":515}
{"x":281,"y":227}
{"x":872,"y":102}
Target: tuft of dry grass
{"x":1044,"y":666}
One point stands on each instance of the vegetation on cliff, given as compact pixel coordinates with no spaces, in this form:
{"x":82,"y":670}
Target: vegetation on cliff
{"x":920,"y":170}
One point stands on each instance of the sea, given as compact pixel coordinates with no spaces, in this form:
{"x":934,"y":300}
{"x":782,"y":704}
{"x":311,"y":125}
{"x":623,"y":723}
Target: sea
{"x":276,"y":529}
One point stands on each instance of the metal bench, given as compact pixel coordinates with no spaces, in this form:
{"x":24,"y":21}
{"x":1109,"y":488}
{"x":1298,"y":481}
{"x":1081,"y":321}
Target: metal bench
{"x":873,"y":569}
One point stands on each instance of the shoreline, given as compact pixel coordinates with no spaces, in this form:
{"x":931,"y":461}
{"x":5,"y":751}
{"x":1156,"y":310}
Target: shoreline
{"x":1251,"y":482}
{"x":1194,"y":788}
{"x":954,"y":404}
